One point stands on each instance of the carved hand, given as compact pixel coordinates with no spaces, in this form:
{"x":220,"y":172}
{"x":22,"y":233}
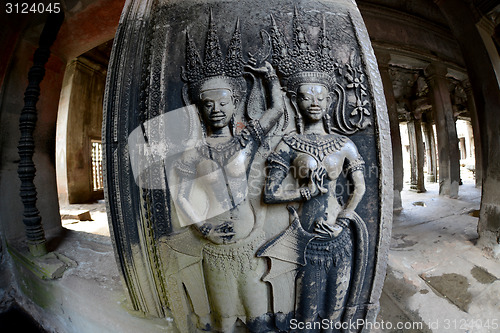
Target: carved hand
{"x":313,"y":189}
{"x":224,"y":230}
{"x":347,"y":213}
{"x":325,"y":229}
{"x":204,"y":228}
{"x":266,"y":70}
{"x":316,"y":181}
{"x":223,"y":233}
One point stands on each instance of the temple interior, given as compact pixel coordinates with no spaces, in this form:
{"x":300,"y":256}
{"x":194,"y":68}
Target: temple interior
{"x":440,"y":67}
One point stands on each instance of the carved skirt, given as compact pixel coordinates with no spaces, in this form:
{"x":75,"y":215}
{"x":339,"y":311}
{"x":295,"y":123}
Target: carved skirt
{"x":323,"y":283}
{"x":233,"y":278}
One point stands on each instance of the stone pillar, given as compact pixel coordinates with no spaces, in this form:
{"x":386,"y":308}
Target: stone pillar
{"x":32,"y":219}
{"x":410,"y":125}
{"x":449,"y":157}
{"x":154,"y":204}
{"x":431,"y":152}
{"x":469,"y":141}
{"x":383,"y":59}
{"x":420,"y":151}
{"x":476,"y":134}
{"x":417,"y":152}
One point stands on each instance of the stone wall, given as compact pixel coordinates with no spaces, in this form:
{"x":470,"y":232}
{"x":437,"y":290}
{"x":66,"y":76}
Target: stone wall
{"x":79,"y":122}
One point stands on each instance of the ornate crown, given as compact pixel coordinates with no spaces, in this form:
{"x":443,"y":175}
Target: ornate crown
{"x":214,"y":64}
{"x":300,"y":63}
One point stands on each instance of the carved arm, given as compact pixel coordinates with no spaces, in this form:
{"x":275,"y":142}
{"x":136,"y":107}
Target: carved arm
{"x":273,"y":114}
{"x":358,"y":180}
{"x":355,"y":167}
{"x":184,"y":191}
{"x":279,"y":165}
{"x":186,"y":172}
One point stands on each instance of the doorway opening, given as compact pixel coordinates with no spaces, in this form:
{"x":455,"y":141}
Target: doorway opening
{"x":79,"y":165}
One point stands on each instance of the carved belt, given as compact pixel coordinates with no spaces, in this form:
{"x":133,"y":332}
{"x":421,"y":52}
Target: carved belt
{"x":237,"y":258}
{"x":334,"y":251}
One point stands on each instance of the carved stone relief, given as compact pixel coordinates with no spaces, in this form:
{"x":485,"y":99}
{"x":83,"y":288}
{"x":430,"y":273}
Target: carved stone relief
{"x":248,"y":163}
{"x":458,"y":99}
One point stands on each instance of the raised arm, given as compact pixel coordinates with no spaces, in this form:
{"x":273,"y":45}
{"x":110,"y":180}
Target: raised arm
{"x":273,"y":114}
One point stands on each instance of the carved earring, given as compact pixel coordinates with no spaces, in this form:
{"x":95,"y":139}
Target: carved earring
{"x":203,"y":126}
{"x":204,"y":130}
{"x":298,"y":117}
{"x":299,"y":123}
{"x":327,"y":123}
{"x":232,"y":124}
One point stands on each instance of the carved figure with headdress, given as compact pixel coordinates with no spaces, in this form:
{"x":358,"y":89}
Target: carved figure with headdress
{"x":212,"y":192}
{"x":321,"y":256}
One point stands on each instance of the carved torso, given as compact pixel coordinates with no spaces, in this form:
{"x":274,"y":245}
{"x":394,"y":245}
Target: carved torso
{"x":323,"y":157}
{"x":219,"y":167}
{"x":313,"y":152}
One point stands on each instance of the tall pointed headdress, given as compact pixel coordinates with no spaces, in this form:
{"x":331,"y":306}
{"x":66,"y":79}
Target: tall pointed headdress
{"x":301,"y":64}
{"x":214,"y":64}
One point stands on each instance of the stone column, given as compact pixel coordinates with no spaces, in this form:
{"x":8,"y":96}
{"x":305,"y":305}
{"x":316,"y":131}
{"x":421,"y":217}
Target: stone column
{"x":449,"y":156}
{"x":431,"y":152}
{"x":410,"y":125}
{"x":420,"y":151}
{"x":476,"y":134}
{"x":469,"y":141}
{"x":417,"y":152}
{"x":32,"y":219}
{"x":383,"y":59}
{"x":148,"y":73}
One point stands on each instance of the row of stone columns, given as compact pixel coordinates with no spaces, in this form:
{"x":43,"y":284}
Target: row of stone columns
{"x":484,"y":85}
{"x":483,"y":102}
{"x":447,"y":141}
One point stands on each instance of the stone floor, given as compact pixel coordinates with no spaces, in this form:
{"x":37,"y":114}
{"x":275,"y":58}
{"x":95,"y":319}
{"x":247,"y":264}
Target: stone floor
{"x":437,"y":279}
{"x":74,"y":217}
{"x":90,"y":296}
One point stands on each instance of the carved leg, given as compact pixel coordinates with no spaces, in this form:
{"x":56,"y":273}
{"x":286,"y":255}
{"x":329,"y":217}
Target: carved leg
{"x":222,"y":288}
{"x":337,"y":290}
{"x":311,"y":280}
{"x":255,"y":295}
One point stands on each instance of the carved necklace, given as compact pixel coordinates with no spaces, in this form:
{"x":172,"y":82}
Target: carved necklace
{"x":317,"y":147}
{"x":220,"y":152}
